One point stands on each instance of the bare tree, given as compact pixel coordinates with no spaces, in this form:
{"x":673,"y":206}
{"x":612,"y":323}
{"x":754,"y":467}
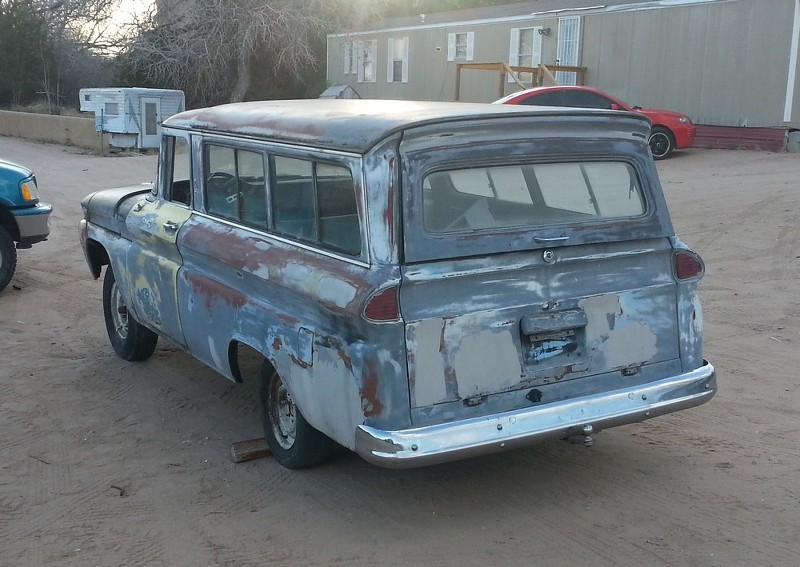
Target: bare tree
{"x":79,"y":36}
{"x":208,"y":47}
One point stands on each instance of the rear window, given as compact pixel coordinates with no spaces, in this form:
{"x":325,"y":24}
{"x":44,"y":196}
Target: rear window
{"x":487,"y":198}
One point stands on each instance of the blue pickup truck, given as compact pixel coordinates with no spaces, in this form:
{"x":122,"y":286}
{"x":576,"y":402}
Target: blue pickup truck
{"x":23,"y":218}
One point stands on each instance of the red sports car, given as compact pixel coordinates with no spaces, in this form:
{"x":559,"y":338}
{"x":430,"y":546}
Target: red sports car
{"x":671,"y":130}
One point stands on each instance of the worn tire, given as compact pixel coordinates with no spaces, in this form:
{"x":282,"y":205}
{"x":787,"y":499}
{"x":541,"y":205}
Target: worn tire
{"x":293,"y":442}
{"x":8,"y":258}
{"x":130,"y":340}
{"x":662,"y":142}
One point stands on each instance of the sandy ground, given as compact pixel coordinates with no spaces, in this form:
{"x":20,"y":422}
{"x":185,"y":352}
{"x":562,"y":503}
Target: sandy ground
{"x":109,"y":463}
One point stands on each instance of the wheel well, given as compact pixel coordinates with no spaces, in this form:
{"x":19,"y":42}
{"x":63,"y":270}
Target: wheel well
{"x":665,"y":129}
{"x":245,"y":361}
{"x":97,"y":257}
{"x":7,"y":221}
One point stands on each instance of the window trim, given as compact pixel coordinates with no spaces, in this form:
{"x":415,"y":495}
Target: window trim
{"x":452,"y":46}
{"x":391,"y":60}
{"x":514,"y":51}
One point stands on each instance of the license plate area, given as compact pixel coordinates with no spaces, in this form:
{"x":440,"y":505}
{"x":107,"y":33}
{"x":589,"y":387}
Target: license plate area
{"x":554,"y":346}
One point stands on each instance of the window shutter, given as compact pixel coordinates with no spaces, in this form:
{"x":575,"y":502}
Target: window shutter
{"x":405,"y":60}
{"x":470,"y":46}
{"x":390,"y":60}
{"x":348,"y":55}
{"x":373,"y":60}
{"x":536,"y":53}
{"x":360,"y":60}
{"x":451,"y":47}
{"x":513,"y":51}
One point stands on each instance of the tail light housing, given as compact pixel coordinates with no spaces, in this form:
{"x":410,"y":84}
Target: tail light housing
{"x":383,"y":305}
{"x":687,"y":265}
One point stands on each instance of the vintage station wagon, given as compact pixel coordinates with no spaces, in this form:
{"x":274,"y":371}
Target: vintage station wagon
{"x":424,"y":281}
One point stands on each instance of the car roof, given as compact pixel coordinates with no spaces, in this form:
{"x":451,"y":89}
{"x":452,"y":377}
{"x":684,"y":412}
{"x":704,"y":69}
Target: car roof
{"x":354,"y":125}
{"x":547,"y":88}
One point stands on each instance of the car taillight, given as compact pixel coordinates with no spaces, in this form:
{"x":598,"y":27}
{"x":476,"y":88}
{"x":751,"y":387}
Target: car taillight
{"x":383,"y":306}
{"x":687,"y":265}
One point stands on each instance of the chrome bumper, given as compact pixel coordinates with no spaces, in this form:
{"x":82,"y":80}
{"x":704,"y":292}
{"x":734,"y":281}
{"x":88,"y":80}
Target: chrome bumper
{"x":476,"y":436}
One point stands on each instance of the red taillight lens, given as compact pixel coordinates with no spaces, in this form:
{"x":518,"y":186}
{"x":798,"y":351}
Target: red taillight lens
{"x":687,"y":265}
{"x":383,"y":306}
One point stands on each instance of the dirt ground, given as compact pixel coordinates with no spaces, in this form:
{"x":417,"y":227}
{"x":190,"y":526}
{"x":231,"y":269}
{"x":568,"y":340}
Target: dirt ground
{"x":109,"y":463}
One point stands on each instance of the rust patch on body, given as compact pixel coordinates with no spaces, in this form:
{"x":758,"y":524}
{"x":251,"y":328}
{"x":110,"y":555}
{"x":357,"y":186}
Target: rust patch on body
{"x":211,"y":290}
{"x":370,"y":403}
{"x":348,"y":362}
{"x":277,"y":344}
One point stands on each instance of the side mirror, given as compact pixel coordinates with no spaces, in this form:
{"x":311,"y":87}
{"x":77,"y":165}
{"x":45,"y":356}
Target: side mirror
{"x":615,"y":106}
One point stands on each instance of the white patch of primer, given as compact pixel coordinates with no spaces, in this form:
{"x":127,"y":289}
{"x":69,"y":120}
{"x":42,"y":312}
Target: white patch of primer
{"x":486,"y":362}
{"x":428,"y":368}
{"x":335,"y":291}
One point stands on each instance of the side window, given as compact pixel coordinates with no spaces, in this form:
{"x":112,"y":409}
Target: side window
{"x":178,"y":170}
{"x":586,"y":99}
{"x":235,"y":184}
{"x":546,"y":98}
{"x":315,"y":202}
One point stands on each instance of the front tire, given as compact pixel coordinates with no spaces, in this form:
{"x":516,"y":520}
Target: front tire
{"x":662,"y":142}
{"x":292,"y":440}
{"x":129,"y":339}
{"x":8,"y":258}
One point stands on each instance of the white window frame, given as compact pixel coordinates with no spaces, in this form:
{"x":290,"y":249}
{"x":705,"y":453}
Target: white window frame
{"x":367,"y":63}
{"x":394,"y":44}
{"x":514,"y":52}
{"x":452,"y":46}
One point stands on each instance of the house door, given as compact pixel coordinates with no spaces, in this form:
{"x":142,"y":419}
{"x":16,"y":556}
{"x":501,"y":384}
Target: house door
{"x":569,"y":33}
{"x":151,"y":122}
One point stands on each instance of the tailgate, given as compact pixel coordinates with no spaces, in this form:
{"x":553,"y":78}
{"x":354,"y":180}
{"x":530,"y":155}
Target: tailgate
{"x":498,"y":333}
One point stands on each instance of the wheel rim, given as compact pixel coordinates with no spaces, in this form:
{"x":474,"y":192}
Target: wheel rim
{"x":282,"y":413}
{"x":659,"y":144}
{"x":119,"y":313}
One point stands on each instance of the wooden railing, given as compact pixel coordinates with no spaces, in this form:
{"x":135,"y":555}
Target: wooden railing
{"x":539,"y":74}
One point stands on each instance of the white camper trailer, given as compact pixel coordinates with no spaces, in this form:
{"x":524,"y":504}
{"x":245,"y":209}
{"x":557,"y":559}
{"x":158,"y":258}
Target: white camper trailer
{"x":132,"y":116}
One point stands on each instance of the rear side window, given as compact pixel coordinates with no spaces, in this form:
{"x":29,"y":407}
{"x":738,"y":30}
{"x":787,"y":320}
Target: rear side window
{"x":528,"y":195}
{"x":315,"y":202}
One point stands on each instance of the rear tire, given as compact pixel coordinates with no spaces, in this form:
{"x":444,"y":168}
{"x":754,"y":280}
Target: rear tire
{"x":129,"y":339}
{"x":662,"y":142}
{"x":293,"y":442}
{"x":8,"y":258}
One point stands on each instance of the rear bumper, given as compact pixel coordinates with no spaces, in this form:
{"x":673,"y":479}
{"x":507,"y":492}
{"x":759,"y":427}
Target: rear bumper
{"x":461,"y":439}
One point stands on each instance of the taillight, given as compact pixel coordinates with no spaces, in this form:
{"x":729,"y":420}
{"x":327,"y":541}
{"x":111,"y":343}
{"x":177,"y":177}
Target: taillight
{"x":687,"y":265}
{"x":383,"y":306}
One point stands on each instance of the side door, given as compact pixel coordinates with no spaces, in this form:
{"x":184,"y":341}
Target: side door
{"x":153,"y":259}
{"x":151,"y":121}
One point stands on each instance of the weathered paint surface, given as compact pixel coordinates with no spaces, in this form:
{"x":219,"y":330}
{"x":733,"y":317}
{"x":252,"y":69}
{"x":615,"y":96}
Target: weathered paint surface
{"x":489,"y":323}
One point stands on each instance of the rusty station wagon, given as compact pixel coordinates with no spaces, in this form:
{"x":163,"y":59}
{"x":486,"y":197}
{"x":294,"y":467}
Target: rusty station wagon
{"x":424,"y":281}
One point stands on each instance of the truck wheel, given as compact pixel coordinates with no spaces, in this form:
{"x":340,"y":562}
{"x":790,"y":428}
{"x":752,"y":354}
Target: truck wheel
{"x":130,"y":340}
{"x":293,"y":442}
{"x":8,"y":258}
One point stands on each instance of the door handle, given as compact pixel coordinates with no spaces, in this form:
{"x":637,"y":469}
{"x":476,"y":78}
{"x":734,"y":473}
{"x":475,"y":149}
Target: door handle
{"x":552,"y":239}
{"x":170,"y":227}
